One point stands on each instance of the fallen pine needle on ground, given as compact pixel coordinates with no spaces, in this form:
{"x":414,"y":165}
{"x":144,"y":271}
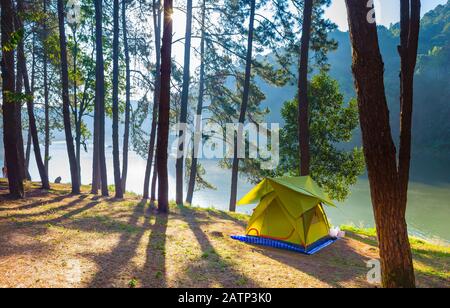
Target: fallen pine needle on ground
{"x":55,"y":239}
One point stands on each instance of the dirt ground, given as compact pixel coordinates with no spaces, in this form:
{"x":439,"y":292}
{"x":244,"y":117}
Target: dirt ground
{"x":54,"y":239}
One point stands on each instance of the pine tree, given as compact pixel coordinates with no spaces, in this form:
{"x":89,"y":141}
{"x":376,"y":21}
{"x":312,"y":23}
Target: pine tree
{"x":388,"y":179}
{"x":115,"y":104}
{"x":11,"y":107}
{"x":66,"y":103}
{"x":184,"y":104}
{"x":164,"y":109}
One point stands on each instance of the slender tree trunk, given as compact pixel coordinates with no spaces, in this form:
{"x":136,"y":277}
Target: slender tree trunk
{"x":79,"y":115}
{"x":75,"y":104}
{"x":198,"y":135}
{"x":29,"y":138}
{"x":244,"y":105}
{"x":156,"y":97}
{"x":33,"y":128}
{"x":164,"y":109}
{"x":23,"y":171}
{"x":409,"y":33}
{"x":184,"y":104}
{"x":154,"y":182}
{"x":46,"y":95}
{"x":126,"y":135}
{"x":115,"y":104}
{"x":386,"y":183}
{"x":66,"y":103}
{"x":96,"y":182}
{"x":96,"y":157}
{"x":10,"y":106}
{"x":99,"y":165}
{"x":82,"y":110}
{"x":22,"y":165}
{"x":96,"y":152}
{"x":102,"y":145}
{"x":28,"y":155}
{"x":78,"y":143}
{"x":28,"y":144}
{"x":30,"y":104}
{"x":19,"y":89}
{"x":303,"y":102}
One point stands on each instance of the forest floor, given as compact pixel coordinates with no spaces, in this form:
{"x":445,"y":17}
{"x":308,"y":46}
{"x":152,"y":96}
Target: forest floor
{"x":55,"y":239}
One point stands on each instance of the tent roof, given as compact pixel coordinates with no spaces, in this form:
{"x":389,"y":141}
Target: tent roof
{"x":299,"y":186}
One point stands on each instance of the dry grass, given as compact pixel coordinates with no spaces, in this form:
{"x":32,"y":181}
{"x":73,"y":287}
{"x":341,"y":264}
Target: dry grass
{"x":55,"y":239}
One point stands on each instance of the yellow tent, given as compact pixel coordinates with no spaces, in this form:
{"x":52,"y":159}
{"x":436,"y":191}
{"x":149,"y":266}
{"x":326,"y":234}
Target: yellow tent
{"x":290,"y":210}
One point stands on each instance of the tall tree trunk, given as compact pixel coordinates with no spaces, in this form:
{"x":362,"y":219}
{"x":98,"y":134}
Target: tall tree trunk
{"x":66,"y":103}
{"x":102,"y":142}
{"x":32,"y":123}
{"x":244,"y":105}
{"x":126,"y":135}
{"x":75,"y":103}
{"x":29,"y":138}
{"x":98,"y":92}
{"x":303,"y":102}
{"x":198,"y":135}
{"x":22,"y":169}
{"x":30,"y":103}
{"x":386,"y":182}
{"x":99,"y":163}
{"x":409,"y":35}
{"x":82,"y":108}
{"x":10,"y":106}
{"x":96,"y":181}
{"x":28,"y":147}
{"x":184,"y":104}
{"x":78,"y":143}
{"x":154,"y":182}
{"x":164,"y":109}
{"x":115,"y":103}
{"x":46,"y":95}
{"x":156,"y":97}
{"x":96,"y":153}
{"x":28,"y":155}
{"x":19,"y":89}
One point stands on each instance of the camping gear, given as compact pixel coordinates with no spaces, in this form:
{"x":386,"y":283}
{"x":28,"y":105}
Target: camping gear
{"x":317,"y":246}
{"x":337,"y":233}
{"x":290,"y":215}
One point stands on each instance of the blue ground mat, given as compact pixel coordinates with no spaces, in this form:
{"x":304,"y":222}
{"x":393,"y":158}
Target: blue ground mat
{"x":316,"y":247}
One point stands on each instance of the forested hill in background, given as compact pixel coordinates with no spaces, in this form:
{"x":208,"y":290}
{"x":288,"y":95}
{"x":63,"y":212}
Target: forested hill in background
{"x":432,"y":84}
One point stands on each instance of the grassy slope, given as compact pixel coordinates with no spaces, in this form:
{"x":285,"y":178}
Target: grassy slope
{"x":55,"y":239}
{"x":429,"y":259}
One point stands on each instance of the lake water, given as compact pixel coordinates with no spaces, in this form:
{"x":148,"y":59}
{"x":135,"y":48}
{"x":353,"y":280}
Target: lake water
{"x":428,"y":211}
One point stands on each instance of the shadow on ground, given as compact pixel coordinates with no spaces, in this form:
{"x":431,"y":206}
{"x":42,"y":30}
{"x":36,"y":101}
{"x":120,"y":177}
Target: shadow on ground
{"x":112,"y":243}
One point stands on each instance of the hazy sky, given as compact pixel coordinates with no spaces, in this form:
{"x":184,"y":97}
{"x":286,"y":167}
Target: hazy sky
{"x":388,"y":11}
